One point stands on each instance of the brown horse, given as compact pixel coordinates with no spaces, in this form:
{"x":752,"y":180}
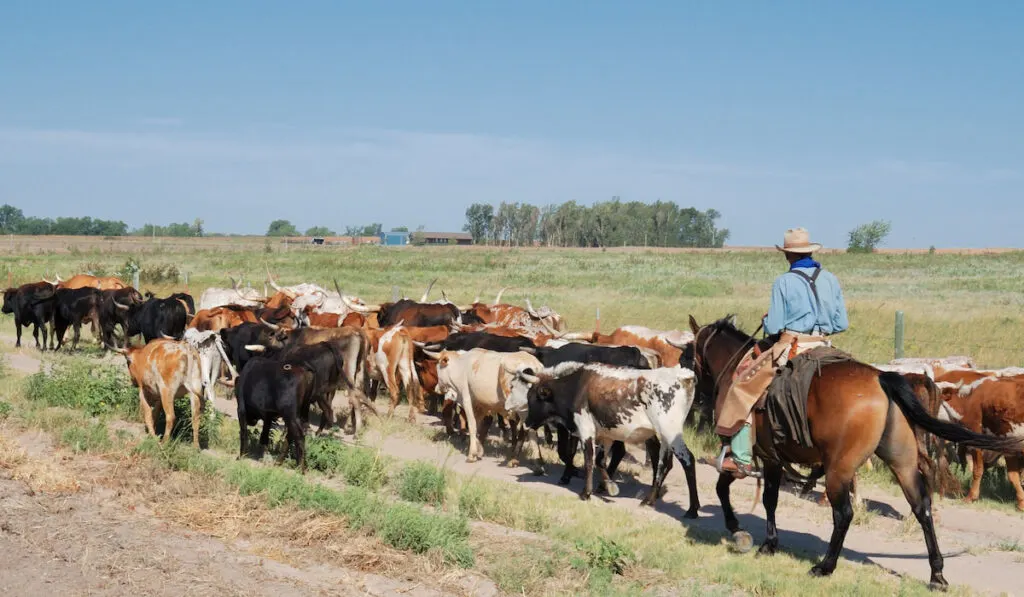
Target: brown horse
{"x":851,"y":416}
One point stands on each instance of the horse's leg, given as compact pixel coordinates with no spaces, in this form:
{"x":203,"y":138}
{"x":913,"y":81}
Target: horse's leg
{"x":742,"y":541}
{"x":838,"y":481}
{"x":902,"y":459}
{"x":772,"y":483}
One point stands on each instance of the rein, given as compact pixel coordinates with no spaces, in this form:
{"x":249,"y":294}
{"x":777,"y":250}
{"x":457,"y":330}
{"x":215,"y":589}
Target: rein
{"x":731,"y":363}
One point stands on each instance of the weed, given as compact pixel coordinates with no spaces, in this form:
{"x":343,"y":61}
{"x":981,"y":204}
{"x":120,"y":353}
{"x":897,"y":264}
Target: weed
{"x":407,"y":527}
{"x":5,"y":409}
{"x":422,"y":482}
{"x":603,"y":554}
{"x":80,"y":384}
{"x":91,"y":437}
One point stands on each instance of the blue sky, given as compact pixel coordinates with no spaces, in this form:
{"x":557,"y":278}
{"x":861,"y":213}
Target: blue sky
{"x":781,"y":114}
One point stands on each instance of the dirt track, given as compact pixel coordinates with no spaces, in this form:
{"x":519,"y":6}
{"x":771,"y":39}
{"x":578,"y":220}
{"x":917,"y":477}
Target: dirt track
{"x":974,"y":540}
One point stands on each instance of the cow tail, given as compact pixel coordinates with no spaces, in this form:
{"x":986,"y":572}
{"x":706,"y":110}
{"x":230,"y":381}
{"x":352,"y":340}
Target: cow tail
{"x":898,"y":389}
{"x":414,"y":383}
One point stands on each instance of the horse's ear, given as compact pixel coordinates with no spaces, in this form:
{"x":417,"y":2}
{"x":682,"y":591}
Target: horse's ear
{"x":733,"y":321}
{"x":694,"y":326}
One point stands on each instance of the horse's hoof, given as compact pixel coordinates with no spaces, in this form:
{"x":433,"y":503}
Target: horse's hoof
{"x":538,"y":472}
{"x":766,"y":549}
{"x":610,"y":488}
{"x":820,"y":571}
{"x":646,"y":502}
{"x":938,"y":583}
{"x":742,"y":541}
{"x":585,"y":496}
{"x":512,"y":463}
{"x":691,"y":514}
{"x":471,"y":459}
{"x":564,"y":480}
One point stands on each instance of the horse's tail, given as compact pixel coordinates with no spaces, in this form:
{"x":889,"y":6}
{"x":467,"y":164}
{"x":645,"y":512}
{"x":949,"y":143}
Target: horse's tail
{"x":898,"y":389}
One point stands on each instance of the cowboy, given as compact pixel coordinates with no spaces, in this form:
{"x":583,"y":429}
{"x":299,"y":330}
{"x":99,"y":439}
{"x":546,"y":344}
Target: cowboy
{"x":806,"y":307}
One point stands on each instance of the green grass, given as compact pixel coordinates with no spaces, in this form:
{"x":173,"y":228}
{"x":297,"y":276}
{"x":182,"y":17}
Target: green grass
{"x":362,"y":467}
{"x":422,"y":482}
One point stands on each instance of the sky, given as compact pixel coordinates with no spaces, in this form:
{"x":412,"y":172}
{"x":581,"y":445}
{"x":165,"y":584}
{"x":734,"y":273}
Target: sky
{"x":776,"y":114}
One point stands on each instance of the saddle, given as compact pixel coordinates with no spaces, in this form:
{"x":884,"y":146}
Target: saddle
{"x":784,"y":403}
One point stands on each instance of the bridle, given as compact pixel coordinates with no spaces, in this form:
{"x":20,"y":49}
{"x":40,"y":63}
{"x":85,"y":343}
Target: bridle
{"x":731,"y":364}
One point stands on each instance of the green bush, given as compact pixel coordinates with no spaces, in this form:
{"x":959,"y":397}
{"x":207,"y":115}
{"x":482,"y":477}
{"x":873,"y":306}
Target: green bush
{"x":422,"y":482}
{"x":95,"y":389}
{"x":92,"y":437}
{"x":604,"y":554}
{"x":407,"y":527}
{"x":5,"y":409}
{"x":361,"y":467}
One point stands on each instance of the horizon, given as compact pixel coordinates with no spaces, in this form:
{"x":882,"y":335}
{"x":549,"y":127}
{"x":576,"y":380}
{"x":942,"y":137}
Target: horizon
{"x":337,"y":114}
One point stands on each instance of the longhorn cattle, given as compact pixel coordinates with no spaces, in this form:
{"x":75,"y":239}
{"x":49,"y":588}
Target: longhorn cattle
{"x":602,"y":404}
{"x":991,"y":406}
{"x":471,"y":340}
{"x":219,"y":318}
{"x":73,"y":307}
{"x":390,"y":359}
{"x":669,"y":344}
{"x":236,"y":338}
{"x":621,"y":356}
{"x":236,"y":295}
{"x":412,"y":313}
{"x":512,"y":315}
{"x":89,"y":281}
{"x":268,"y":389}
{"x":212,"y":356}
{"x":480,"y":380}
{"x":116,"y":309}
{"x":164,"y":370}
{"x":32,"y":304}
{"x":160,"y":318}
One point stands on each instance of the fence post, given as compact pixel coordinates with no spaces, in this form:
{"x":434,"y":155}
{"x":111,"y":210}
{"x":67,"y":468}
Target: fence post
{"x":597,"y":323}
{"x":135,"y":279}
{"x":898,"y":340}
{"x":394,"y":294}
{"x":186,"y":281}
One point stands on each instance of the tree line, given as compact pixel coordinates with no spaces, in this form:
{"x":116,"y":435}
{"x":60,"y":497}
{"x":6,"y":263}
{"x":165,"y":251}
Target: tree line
{"x":14,"y":221}
{"x":604,"y":224}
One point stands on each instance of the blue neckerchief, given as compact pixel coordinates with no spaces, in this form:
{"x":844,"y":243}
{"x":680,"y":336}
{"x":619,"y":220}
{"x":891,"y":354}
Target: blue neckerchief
{"x":805,"y":262}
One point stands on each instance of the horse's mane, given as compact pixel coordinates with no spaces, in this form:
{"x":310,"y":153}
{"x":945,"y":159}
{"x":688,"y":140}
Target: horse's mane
{"x":727,"y":324}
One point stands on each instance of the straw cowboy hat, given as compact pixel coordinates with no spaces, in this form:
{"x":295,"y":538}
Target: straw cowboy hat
{"x":798,"y":240}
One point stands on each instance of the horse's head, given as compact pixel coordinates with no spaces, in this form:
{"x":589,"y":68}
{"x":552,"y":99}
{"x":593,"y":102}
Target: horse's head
{"x":717,"y":350}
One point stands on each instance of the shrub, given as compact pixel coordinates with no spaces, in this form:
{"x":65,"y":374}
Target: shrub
{"x":422,"y":482}
{"x":5,"y":409}
{"x":95,"y":389}
{"x":410,"y":528}
{"x":866,"y":237}
{"x":91,"y":437}
{"x":605,"y":554}
{"x":361,"y":467}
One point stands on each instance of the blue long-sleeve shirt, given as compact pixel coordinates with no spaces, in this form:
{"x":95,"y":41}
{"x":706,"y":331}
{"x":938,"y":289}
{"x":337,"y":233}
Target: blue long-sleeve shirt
{"x":793,"y":306}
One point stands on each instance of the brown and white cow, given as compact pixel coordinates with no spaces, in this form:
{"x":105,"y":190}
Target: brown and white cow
{"x":992,"y":406}
{"x":88,"y":281}
{"x":481,"y":382}
{"x":667,"y":343}
{"x":164,"y":370}
{"x":390,"y":359}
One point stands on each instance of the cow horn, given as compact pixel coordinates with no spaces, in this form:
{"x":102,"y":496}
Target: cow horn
{"x":497,"y":299}
{"x":552,"y":331}
{"x":249,"y":298}
{"x":578,"y":336}
{"x":434,"y":356}
{"x":122,"y":307}
{"x":419,"y":344}
{"x":360,"y":308}
{"x":268,"y":324}
{"x":477,"y":299}
{"x":523,"y":375}
{"x":528,"y":349}
{"x":531,"y":310}
{"x":426,"y":292}
{"x":166,"y":337}
{"x":444,"y":295}
{"x":680,"y":345}
{"x":57,"y":277}
{"x":337,"y":287}
{"x":271,"y":280}
{"x":235,"y":284}
{"x":54,"y":283}
{"x":255,"y":347}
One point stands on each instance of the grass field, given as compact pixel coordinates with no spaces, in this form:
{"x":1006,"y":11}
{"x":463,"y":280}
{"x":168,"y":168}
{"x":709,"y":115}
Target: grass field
{"x":963,"y":303}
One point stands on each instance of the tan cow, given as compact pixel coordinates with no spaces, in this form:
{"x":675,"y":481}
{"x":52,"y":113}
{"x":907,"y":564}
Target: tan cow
{"x":164,"y":370}
{"x":667,"y":343}
{"x":481,"y":382}
{"x":87,"y":281}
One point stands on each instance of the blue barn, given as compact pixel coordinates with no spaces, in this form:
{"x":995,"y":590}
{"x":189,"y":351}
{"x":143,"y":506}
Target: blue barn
{"x":394,"y":239}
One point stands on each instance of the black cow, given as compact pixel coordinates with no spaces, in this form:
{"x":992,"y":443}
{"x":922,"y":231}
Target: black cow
{"x":471,"y":340}
{"x":620,"y":356}
{"x":186,"y":299}
{"x":159,"y":318}
{"x":418,"y":314}
{"x":117,"y":308}
{"x":32,"y":304}
{"x":325,"y":361}
{"x":75,"y":306}
{"x":268,"y":389}
{"x":250,"y":334}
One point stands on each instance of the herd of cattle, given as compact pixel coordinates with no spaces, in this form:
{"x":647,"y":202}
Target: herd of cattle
{"x":474,"y":365}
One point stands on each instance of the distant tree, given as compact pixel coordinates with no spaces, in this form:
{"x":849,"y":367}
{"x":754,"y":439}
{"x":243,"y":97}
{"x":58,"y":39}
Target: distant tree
{"x":282,"y":228}
{"x":11,"y":219}
{"x":400,"y":229}
{"x":36,"y":226}
{"x":479,"y":217}
{"x":418,"y":238}
{"x":197,"y":227}
{"x":368,"y":230}
{"x":320,"y":231}
{"x":867,"y":237}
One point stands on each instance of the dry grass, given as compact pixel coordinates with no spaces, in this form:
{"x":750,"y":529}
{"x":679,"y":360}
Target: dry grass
{"x":40,"y":475}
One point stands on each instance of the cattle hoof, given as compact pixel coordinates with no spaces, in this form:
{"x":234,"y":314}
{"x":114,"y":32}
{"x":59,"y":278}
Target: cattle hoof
{"x":742,"y":541}
{"x":970,"y":499}
{"x":471,"y":459}
{"x":585,"y":496}
{"x":564,"y":479}
{"x":512,"y":463}
{"x":538,"y":472}
{"x":647,"y":501}
{"x":610,"y":488}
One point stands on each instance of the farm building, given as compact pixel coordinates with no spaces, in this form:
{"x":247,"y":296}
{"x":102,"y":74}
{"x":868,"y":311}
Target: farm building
{"x":393,"y":239}
{"x":447,"y":238}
